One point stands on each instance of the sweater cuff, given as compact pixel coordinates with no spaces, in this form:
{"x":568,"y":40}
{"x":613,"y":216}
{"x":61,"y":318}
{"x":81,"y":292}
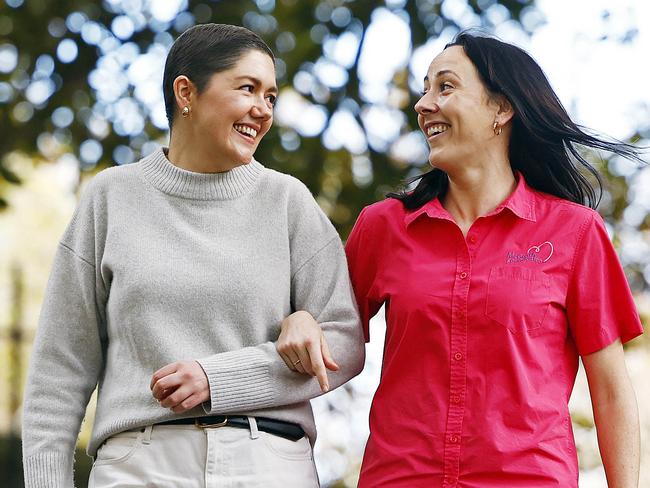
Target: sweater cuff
{"x":48,"y":470}
{"x":239,"y":381}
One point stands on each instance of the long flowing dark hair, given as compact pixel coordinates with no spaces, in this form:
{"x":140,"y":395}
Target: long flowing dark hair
{"x":544,"y":142}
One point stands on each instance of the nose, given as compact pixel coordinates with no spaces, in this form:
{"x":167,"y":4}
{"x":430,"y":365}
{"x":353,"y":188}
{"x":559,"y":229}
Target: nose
{"x":426,"y":105}
{"x":262,"y":109}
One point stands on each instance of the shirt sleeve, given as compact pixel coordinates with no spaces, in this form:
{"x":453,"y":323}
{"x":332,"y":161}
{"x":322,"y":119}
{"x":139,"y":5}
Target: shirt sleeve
{"x":362,"y":264}
{"x":254,"y":378}
{"x":600,"y":306}
{"x":66,"y":360}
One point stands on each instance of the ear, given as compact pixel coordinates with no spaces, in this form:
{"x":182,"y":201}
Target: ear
{"x":184,"y":92}
{"x":505,"y":112}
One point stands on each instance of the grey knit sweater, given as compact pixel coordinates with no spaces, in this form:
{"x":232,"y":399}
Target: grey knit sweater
{"x":160,"y":264}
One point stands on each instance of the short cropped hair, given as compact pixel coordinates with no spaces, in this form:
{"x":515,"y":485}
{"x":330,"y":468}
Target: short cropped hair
{"x":204,"y":50}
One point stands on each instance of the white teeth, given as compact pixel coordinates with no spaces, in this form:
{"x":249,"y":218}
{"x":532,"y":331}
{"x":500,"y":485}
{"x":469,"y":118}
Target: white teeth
{"x":437,"y":129}
{"x":244,"y":129}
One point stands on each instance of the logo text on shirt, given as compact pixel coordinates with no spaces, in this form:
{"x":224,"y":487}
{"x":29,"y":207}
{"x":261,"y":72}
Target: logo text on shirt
{"x":535,"y":254}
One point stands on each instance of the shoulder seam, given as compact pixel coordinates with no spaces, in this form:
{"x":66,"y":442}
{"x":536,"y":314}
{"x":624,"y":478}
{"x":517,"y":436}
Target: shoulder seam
{"x":69,"y":249}
{"x":314,"y":255}
{"x":581,"y":236}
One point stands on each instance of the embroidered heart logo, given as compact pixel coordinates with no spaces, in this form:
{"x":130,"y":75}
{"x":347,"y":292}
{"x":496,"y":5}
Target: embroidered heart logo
{"x":537,"y":250}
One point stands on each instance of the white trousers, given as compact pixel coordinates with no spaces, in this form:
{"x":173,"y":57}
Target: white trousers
{"x":185,"y":456}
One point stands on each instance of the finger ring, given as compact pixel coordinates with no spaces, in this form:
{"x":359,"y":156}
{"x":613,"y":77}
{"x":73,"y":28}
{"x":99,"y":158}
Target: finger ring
{"x":296,"y":362}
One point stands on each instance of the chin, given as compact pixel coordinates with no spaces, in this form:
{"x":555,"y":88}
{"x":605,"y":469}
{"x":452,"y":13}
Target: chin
{"x":246,"y":158}
{"x":241,"y":157}
{"x":440,"y":164}
{"x":434,"y":162}
{"x":246,"y":154}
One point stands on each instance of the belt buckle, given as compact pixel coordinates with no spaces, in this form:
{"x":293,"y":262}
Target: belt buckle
{"x":201,"y":425}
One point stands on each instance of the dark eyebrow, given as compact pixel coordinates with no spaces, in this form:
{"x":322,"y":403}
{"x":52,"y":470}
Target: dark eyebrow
{"x":441,"y":73}
{"x":273,"y":89}
{"x":446,"y":72}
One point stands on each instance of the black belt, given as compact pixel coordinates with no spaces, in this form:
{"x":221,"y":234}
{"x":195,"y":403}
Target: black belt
{"x":288,"y":430}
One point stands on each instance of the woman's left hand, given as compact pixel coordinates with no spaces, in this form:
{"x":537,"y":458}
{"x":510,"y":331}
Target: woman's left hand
{"x":303,"y":347}
{"x":180,"y":386}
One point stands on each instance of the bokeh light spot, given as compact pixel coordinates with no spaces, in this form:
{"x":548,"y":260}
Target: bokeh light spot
{"x":123,"y":155}
{"x":67,"y":51}
{"x":23,"y":112}
{"x":56,"y":27}
{"x":166,"y":11}
{"x":8,"y":58}
{"x":122,"y":26}
{"x":341,"y":16}
{"x":39,"y":91}
{"x":285,"y":42}
{"x":90,"y":151}
{"x":44,"y":65}
{"x":266,"y":6}
{"x":91,"y":33}
{"x":75,"y":21}
{"x":6,"y":92}
{"x":62,"y":117}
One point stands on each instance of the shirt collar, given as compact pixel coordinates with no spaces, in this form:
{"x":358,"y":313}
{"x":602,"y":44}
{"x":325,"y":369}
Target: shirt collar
{"x":521,"y":202}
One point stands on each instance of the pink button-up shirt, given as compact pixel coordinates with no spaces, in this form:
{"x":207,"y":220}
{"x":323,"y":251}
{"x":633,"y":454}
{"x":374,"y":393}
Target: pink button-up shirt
{"x":483,"y":338}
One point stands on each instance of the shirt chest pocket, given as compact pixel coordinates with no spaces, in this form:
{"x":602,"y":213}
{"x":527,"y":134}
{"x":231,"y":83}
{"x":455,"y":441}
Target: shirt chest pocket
{"x":517,"y":298}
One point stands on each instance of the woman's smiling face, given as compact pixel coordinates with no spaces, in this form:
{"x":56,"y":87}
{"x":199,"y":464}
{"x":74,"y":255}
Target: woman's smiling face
{"x":235,"y":110}
{"x":455,"y":111}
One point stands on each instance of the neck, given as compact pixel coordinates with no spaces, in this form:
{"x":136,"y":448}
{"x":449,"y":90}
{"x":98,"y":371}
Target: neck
{"x":191,"y":154}
{"x":475,"y":192}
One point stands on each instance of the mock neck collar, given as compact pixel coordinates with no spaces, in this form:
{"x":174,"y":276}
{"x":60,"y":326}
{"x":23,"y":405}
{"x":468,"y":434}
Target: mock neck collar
{"x":172,"y":180}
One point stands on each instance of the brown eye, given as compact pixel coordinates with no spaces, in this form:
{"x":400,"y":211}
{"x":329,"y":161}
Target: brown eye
{"x":445,"y":86}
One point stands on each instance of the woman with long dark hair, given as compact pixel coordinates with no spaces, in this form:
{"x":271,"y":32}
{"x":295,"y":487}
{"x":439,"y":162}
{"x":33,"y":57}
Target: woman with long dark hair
{"x":496,"y":276}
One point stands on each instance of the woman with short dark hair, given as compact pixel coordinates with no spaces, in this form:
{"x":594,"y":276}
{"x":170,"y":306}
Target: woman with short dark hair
{"x":168,"y":290}
{"x":495,"y":280}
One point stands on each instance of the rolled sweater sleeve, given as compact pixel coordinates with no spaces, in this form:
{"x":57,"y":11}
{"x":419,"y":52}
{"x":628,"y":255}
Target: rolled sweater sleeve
{"x":66,"y":359}
{"x":256,"y":377}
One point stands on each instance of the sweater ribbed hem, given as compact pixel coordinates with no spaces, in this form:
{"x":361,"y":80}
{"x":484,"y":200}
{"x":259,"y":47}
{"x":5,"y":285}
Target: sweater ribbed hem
{"x":48,"y":470}
{"x":239,"y":380}
{"x":172,"y":180}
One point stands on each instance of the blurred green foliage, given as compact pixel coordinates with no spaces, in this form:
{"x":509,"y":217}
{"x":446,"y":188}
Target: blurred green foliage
{"x":296,"y":30}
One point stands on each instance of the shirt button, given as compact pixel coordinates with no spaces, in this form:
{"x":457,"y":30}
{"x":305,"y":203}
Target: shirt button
{"x":472,"y":239}
{"x":453,"y":439}
{"x":458,"y":356}
{"x":463,"y":275}
{"x":455,"y":399}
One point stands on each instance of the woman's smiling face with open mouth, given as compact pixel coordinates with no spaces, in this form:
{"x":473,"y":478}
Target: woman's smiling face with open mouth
{"x":455,"y":112}
{"x":236,"y":108}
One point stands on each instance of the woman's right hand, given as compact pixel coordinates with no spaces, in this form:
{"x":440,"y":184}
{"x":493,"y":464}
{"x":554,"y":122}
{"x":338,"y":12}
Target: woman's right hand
{"x":303,"y":347}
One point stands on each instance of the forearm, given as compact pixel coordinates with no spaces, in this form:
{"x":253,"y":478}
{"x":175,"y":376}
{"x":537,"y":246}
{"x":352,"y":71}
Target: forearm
{"x":257,"y":377}
{"x":617,"y":424}
{"x":53,"y":408}
{"x":65,"y":364}
{"x":253,"y":378}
